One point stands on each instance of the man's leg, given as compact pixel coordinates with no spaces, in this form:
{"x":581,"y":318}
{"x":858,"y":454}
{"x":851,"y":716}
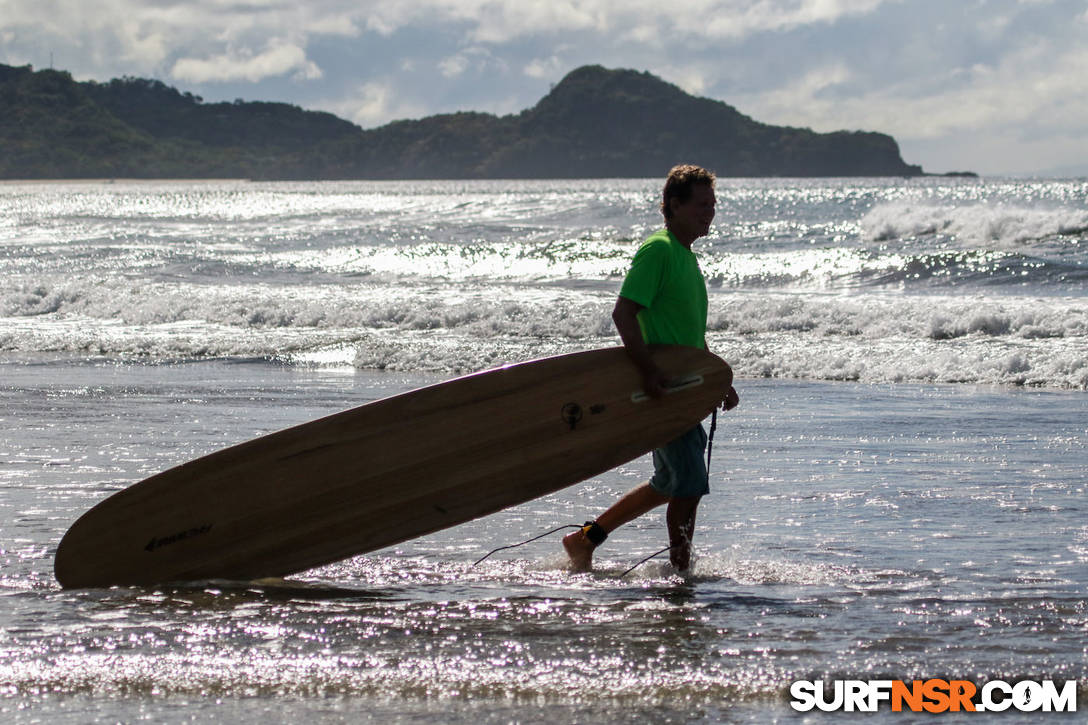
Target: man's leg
{"x":630,"y":506}
{"x":680,"y":518}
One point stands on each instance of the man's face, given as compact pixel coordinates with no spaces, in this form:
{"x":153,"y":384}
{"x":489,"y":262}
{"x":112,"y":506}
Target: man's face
{"x":694,"y":216}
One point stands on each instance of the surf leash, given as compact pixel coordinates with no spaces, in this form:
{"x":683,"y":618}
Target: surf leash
{"x":527,"y":541}
{"x":710,"y":442}
{"x":651,"y":556}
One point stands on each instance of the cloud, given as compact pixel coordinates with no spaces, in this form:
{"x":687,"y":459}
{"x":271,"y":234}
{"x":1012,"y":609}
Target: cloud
{"x":475,"y":58}
{"x":544,"y":68}
{"x":1021,"y":90}
{"x":506,"y":21}
{"x":694,"y":78}
{"x":375,"y":103}
{"x":1028,"y":116}
{"x":142,"y":44}
{"x":453,"y":66}
{"x":735,"y":19}
{"x":277,"y":59}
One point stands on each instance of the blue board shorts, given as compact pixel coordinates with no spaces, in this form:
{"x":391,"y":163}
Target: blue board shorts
{"x":679,"y":468}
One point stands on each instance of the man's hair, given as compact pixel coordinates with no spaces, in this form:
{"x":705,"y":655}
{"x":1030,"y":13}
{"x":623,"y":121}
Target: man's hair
{"x":680,"y":184}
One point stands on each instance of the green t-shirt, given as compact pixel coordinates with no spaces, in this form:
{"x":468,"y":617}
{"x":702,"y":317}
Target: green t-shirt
{"x":666,"y":281}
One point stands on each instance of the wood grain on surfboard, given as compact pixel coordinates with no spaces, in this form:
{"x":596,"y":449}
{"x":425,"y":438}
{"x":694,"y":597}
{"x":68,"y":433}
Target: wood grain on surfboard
{"x":388,"y":471}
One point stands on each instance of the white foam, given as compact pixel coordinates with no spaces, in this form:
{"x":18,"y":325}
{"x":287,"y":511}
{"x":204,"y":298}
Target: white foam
{"x":878,"y":338}
{"x":871,"y":337}
{"x":987,"y":225}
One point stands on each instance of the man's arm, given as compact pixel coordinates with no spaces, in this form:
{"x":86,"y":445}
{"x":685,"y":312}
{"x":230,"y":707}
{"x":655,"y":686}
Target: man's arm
{"x":625,"y":315}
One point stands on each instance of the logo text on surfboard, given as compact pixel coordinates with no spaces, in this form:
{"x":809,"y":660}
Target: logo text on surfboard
{"x":157,"y":542}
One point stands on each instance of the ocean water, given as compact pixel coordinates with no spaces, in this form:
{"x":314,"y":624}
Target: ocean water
{"x":901,"y":493}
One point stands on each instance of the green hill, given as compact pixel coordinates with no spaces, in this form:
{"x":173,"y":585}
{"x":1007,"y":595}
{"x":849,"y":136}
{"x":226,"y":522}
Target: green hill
{"x":595,"y":123}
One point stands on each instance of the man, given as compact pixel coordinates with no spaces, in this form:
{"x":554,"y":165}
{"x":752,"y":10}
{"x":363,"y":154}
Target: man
{"x":663,"y":300}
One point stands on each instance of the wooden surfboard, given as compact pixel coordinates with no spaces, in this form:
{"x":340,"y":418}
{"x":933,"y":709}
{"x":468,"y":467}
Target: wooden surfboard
{"x":388,"y":471}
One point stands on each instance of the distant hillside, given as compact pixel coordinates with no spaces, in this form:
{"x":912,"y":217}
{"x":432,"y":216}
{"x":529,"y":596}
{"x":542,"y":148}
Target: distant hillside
{"x":594,"y":123}
{"x":53,"y":127}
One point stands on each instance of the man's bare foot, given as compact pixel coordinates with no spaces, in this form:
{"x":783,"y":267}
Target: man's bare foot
{"x":580,"y":551}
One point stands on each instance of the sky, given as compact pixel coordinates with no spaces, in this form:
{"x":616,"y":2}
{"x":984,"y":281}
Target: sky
{"x":992,"y":86}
